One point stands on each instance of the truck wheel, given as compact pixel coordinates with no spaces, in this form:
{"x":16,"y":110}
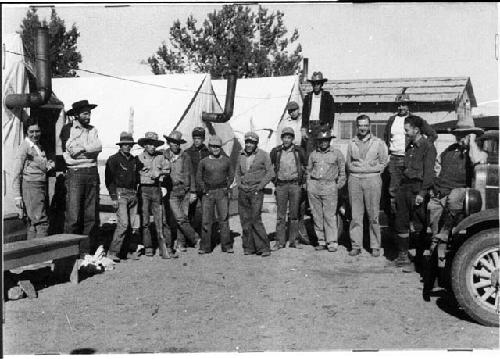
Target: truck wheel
{"x":475,"y":277}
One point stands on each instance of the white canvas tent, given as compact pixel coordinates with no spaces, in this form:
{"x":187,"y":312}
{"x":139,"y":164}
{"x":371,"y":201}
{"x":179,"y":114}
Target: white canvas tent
{"x":144,"y":103}
{"x":260,"y":105}
{"x":14,"y":81}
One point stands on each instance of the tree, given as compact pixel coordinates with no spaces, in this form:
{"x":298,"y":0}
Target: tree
{"x":234,"y":37}
{"x":63,"y":44}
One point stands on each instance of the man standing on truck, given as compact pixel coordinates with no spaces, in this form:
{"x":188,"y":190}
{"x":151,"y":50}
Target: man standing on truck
{"x":416,"y":181}
{"x":81,"y":146}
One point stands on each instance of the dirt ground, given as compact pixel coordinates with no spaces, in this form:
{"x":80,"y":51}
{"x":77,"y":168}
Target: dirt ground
{"x":294,"y":300}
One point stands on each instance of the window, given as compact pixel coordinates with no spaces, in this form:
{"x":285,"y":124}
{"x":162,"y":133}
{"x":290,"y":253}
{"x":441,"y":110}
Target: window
{"x":348,"y":129}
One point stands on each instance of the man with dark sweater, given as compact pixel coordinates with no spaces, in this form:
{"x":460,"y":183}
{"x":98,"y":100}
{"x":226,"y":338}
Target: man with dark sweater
{"x":253,"y":172}
{"x":214,"y":176}
{"x":317,"y":112}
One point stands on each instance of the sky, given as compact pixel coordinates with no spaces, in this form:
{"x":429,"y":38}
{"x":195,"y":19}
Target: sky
{"x":344,"y":41}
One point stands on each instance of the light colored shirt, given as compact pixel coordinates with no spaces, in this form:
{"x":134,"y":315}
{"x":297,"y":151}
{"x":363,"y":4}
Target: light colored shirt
{"x":315,"y":106}
{"x":288,"y":166}
{"x":295,"y":124}
{"x":86,"y":138}
{"x":397,"y":144}
{"x":30,"y":165}
{"x":325,"y":171}
{"x":366,"y":157}
{"x":249,"y":159}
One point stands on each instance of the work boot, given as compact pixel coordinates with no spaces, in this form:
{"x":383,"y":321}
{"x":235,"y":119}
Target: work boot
{"x":172,"y":253}
{"x":403,"y":261}
{"x":333,"y":247}
{"x":375,"y":252}
{"x":149,"y":252}
{"x":266,"y":254}
{"x":355,"y":252}
{"x":320,"y":247}
{"x":162,"y":248}
{"x":113,"y":257}
{"x":277,"y":246}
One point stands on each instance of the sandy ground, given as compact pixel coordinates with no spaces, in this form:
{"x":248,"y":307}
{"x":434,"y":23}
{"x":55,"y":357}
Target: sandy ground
{"x":294,"y":300}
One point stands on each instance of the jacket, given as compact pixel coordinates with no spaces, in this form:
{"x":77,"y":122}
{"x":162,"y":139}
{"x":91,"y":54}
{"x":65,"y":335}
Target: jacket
{"x":300,"y":161}
{"x":29,"y":165}
{"x":375,"y":161}
{"x":120,"y":172}
{"x":420,"y":157}
{"x":152,"y":168}
{"x":427,"y":130}
{"x":326,"y":110}
{"x":182,"y":177}
{"x":258,"y":175}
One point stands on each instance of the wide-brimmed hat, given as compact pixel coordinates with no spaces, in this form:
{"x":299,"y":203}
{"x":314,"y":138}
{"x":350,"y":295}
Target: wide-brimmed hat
{"x":403,"y":98}
{"x":325,"y":135}
{"x":251,"y":136}
{"x":317,"y":77}
{"x":150,"y":138}
{"x":215,"y":141}
{"x":288,"y":131}
{"x":465,"y":126}
{"x":175,"y":137}
{"x":126,"y":138}
{"x":80,"y":106}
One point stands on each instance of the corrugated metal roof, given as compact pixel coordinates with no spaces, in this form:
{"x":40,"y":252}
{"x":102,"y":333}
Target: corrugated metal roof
{"x":431,"y":89}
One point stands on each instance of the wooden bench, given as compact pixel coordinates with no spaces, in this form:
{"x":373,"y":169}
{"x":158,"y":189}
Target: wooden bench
{"x":63,"y":249}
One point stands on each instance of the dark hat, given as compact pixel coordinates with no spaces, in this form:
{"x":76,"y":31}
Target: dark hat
{"x":325,"y":135}
{"x":403,"y":98}
{"x":175,"y":137}
{"x":465,"y":125}
{"x":80,"y":106}
{"x":252,"y":136}
{"x":126,"y":138}
{"x":198,"y":132}
{"x":150,"y":138}
{"x":215,"y":141}
{"x":317,"y":77}
{"x":288,"y":131}
{"x":292,"y":105}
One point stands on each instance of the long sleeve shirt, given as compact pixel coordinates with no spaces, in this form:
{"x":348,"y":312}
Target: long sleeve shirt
{"x":214,"y":173}
{"x":182,"y":176}
{"x":85,"y":137}
{"x":120,"y":172}
{"x":30,"y":165}
{"x":420,"y":158}
{"x":325,"y":171}
{"x":152,"y":168}
{"x":366,"y":157}
{"x":255,"y":175}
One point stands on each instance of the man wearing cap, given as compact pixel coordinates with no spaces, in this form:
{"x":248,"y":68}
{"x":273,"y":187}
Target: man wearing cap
{"x":366,"y":160}
{"x":214,"y":176}
{"x":121,"y":182}
{"x":396,"y":141}
{"x":289,"y":161}
{"x":416,"y":181}
{"x":292,"y":120}
{"x":317,"y":112}
{"x":153,"y":168}
{"x":81,"y":146}
{"x":196,"y":153}
{"x":182,"y":188}
{"x":325,"y":176}
{"x":253,"y":172}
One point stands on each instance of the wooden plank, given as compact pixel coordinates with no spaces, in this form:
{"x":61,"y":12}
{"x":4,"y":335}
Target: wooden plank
{"x":10,"y":263}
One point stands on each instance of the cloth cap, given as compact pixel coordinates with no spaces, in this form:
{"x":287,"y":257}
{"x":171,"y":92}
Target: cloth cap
{"x":198,"y":132}
{"x":215,"y":141}
{"x":252,"y":136}
{"x":292,"y":105}
{"x":288,"y":131}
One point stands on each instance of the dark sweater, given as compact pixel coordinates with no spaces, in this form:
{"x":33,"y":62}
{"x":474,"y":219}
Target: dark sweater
{"x":120,"y":172}
{"x":214,"y":173}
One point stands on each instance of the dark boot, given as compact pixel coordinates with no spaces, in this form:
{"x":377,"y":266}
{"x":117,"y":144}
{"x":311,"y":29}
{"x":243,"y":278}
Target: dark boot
{"x":403,"y":261}
{"x":162,"y":248}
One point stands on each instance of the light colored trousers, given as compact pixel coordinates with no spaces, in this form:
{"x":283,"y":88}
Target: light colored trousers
{"x":365,"y":193}
{"x":324,"y":212}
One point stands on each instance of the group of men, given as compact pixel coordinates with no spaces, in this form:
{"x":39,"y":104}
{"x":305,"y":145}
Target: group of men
{"x":170,"y":184}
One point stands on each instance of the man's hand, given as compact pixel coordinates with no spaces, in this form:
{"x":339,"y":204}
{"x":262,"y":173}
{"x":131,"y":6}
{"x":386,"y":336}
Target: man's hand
{"x":115,"y":204}
{"x":19,"y":203}
{"x":419,"y":200}
{"x":303,"y":132}
{"x":192,"y":198}
{"x":76,"y":150}
{"x":163,"y":191}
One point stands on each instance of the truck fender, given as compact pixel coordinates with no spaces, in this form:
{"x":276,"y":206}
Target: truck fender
{"x":483,"y":216}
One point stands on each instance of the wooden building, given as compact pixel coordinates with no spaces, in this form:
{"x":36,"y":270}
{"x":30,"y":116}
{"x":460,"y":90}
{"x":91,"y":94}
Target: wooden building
{"x":438,"y":99}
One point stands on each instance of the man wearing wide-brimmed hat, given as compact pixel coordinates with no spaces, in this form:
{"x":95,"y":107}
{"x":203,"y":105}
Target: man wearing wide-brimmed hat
{"x":454,"y":172}
{"x":121,"y":182}
{"x":182,"y":188}
{"x":317,"y":113}
{"x":152,"y":169}
{"x":81,"y":146}
{"x":395,"y":139}
{"x":325,"y":176}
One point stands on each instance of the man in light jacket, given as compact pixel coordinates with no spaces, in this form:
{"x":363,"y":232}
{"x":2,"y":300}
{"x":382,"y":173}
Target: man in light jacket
{"x":366,"y":159}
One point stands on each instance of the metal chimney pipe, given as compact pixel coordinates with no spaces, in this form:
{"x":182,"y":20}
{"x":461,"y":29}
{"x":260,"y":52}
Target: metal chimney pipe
{"x":305,"y":69}
{"x":43,"y":91}
{"x":228,"y":106}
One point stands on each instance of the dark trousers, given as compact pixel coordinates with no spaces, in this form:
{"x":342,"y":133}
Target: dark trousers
{"x":179,"y":207}
{"x":151,"y":203}
{"x":407,"y":210}
{"x":126,"y":214}
{"x":35,"y":202}
{"x":396,"y":167}
{"x":288,"y":197}
{"x":219,"y":199}
{"x":82,"y":201}
{"x":195,"y":213}
{"x":254,"y":235}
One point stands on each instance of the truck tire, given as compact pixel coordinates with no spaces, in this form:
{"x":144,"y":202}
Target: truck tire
{"x":474,"y":277}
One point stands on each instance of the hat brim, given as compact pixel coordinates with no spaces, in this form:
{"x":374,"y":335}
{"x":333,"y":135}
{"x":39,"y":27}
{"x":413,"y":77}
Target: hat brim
{"x":465,"y":131}
{"x":313,"y":81}
{"x":175,"y":140}
{"x":149,"y":141}
{"x":72,"y":112}
{"x":126,"y":143}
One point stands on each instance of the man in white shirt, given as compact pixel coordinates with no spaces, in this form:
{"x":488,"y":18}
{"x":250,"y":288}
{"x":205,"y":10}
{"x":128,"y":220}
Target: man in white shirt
{"x":293,"y":120}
